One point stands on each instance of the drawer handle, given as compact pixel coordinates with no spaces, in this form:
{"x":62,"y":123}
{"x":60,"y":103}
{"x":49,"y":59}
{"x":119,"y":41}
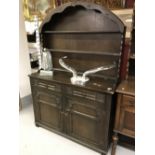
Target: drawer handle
{"x":51,"y":87}
{"x":92,"y":97}
{"x":81,"y":94}
{"x":42,"y":85}
{"x":77,"y":93}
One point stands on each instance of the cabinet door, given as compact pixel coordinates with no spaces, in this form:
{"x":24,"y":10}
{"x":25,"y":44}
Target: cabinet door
{"x":49,"y":108}
{"x":127,"y":115}
{"x":85,"y":121}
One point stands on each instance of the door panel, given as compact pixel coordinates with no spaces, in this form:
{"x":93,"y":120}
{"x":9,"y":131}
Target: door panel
{"x":50,"y":115}
{"x":127,"y":115}
{"x":50,"y":109}
{"x":85,"y":123}
{"x":83,"y":127}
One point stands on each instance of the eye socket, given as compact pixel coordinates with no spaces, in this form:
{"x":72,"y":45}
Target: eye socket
{"x":98,"y":11}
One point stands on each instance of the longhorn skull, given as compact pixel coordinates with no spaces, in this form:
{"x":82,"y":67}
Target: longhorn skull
{"x":82,"y":79}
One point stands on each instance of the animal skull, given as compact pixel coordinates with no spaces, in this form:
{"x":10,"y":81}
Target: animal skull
{"x":78,"y":79}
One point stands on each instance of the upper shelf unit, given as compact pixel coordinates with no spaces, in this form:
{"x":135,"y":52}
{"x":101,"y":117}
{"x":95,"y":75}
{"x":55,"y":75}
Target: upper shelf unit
{"x":81,"y":32}
{"x":115,"y":54}
{"x":89,"y":35}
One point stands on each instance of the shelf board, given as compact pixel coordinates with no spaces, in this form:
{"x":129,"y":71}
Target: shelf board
{"x":81,"y":32}
{"x":86,"y":52}
{"x":92,"y":75}
{"x":127,"y":87}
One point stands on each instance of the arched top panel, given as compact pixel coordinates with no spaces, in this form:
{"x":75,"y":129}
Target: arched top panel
{"x":83,"y":17}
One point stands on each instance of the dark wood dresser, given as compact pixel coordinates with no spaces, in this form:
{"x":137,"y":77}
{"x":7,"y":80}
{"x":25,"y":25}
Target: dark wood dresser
{"x":90,"y":36}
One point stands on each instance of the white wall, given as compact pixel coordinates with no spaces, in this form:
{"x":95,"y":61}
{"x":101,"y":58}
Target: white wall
{"x":24,"y":61}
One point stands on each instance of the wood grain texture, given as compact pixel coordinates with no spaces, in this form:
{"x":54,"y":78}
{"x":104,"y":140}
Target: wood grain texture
{"x":91,"y":36}
{"x":127,"y":87}
{"x":77,"y":113}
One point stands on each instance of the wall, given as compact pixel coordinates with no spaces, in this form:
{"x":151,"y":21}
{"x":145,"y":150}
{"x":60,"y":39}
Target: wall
{"x":24,"y":61}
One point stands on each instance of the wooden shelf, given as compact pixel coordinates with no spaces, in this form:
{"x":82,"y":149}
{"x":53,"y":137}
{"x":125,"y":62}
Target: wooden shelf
{"x":86,"y":52}
{"x":127,"y":87}
{"x":81,"y":32}
{"x":92,"y":75}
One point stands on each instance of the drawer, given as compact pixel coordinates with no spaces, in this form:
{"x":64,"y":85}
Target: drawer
{"x":81,"y":107}
{"x":85,"y":103}
{"x":128,"y":100}
{"x":86,"y":94}
{"x":48,"y":98}
{"x":44,"y":85}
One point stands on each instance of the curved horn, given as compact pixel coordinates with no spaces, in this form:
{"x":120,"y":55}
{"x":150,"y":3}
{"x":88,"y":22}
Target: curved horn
{"x":64,"y":65}
{"x":95,"y":70}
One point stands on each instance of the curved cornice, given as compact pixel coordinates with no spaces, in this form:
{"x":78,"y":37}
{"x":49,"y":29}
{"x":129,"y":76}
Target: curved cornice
{"x":88,"y":6}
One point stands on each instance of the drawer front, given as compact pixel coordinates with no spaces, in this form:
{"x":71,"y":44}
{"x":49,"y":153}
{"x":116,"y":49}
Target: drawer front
{"x":85,"y":94}
{"x":85,"y":107}
{"x":44,"y":85}
{"x":49,"y":98}
{"x":128,"y":100}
